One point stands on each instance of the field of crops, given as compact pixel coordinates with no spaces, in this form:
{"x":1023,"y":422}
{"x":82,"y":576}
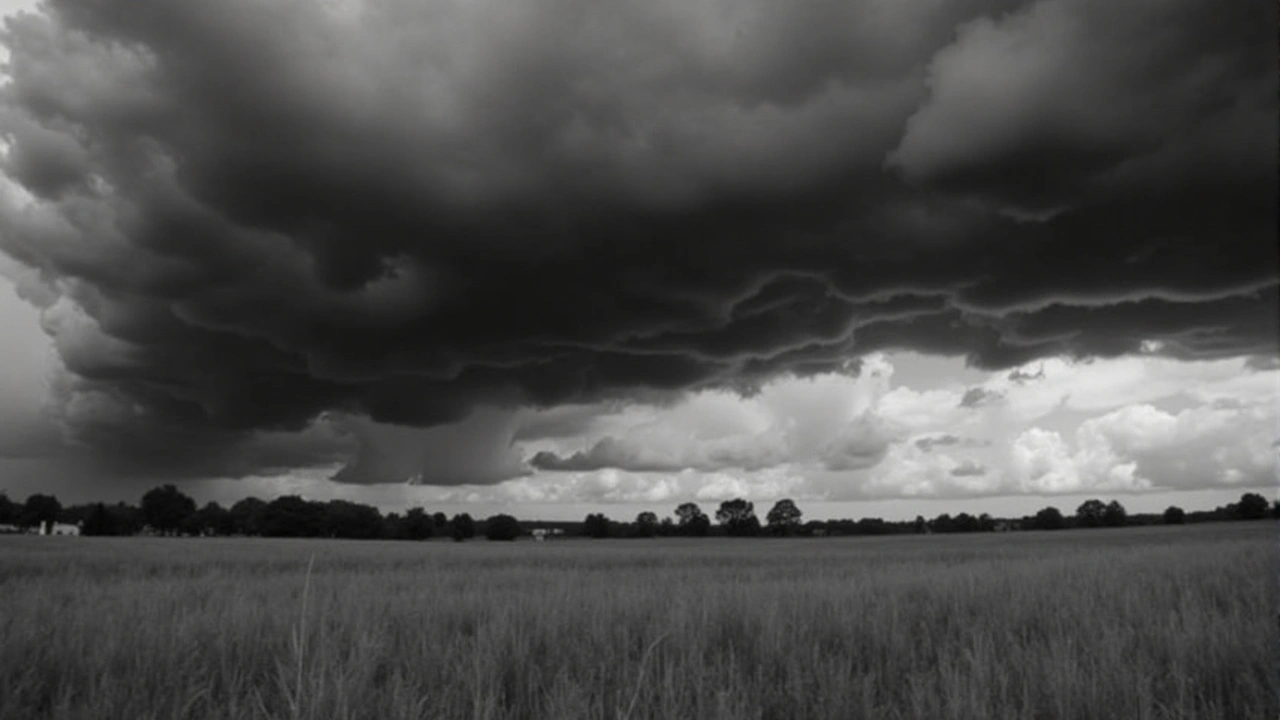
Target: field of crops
{"x":1176,"y":622}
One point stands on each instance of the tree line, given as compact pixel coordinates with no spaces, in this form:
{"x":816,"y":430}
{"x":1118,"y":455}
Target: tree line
{"x":165,"y":510}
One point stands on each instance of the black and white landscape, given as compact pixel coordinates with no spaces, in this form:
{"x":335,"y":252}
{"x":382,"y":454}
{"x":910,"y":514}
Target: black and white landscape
{"x":893,"y":287}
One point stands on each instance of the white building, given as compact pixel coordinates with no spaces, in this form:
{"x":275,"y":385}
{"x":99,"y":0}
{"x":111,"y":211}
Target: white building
{"x":53,"y":528}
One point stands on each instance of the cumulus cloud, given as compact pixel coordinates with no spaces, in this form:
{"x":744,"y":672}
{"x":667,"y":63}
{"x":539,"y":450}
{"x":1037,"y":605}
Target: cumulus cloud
{"x":241,"y":219}
{"x":875,"y":438}
{"x":828,"y":419}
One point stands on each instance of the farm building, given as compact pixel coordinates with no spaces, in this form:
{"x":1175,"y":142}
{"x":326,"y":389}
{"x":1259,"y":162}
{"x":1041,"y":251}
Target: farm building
{"x":53,"y":528}
{"x":543,"y":534}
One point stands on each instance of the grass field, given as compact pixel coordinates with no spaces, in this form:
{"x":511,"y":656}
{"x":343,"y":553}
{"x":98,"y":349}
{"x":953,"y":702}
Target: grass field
{"x":1137,"y":623}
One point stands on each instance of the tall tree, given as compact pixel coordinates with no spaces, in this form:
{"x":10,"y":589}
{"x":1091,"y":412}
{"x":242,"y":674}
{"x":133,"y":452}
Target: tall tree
{"x":462,"y":527}
{"x":1252,"y":506}
{"x":10,"y":511}
{"x":1090,"y":513}
{"x":502,"y":527}
{"x":247,"y":516}
{"x":647,"y":524}
{"x":418,"y":524}
{"x":1049,"y":518}
{"x":1114,"y":515}
{"x":212,"y":519}
{"x":1174,"y":515}
{"x":738,"y":517}
{"x":920,"y":526}
{"x":293,"y":516}
{"x":943,"y":524}
{"x":784,"y":517}
{"x":40,"y":509}
{"x":165,"y":508}
{"x":346,"y":519}
{"x":691,"y":520}
{"x":596,"y":525}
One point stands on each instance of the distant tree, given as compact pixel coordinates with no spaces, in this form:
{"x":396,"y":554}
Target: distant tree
{"x":212,"y":519}
{"x":667,"y":527}
{"x":247,"y":515}
{"x":39,"y":509}
{"x":293,"y":516}
{"x":1049,"y":518}
{"x":691,"y":520}
{"x":351,"y":520}
{"x":870,"y":526}
{"x":165,"y":508}
{"x":1174,"y":515}
{"x":1114,"y":515}
{"x":1252,"y":506}
{"x":943,"y":524}
{"x":98,"y":522}
{"x":440,"y":520}
{"x":126,"y":518}
{"x":392,"y":527}
{"x":986,"y":523}
{"x":1090,"y":513}
{"x":502,"y":527}
{"x":784,"y":517}
{"x":596,"y":525}
{"x":418,"y":524}
{"x":646,"y":524}
{"x":10,"y":511}
{"x":920,"y":526}
{"x":738,"y":517}
{"x":190,"y":526}
{"x":966,"y":523}
{"x":1275,"y":509}
{"x":462,"y":527}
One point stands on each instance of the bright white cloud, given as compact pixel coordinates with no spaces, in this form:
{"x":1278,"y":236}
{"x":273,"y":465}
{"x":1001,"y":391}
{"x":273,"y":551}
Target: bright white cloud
{"x":837,"y":437}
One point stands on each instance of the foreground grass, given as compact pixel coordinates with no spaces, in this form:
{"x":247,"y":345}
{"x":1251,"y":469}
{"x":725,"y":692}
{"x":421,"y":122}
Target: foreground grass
{"x":1138,"y":623}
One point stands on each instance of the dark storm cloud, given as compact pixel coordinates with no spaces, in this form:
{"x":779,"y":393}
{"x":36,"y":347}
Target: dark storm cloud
{"x":247,"y":215}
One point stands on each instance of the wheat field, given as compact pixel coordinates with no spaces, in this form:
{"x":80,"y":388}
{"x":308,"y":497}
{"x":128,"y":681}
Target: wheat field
{"x":1176,"y":622}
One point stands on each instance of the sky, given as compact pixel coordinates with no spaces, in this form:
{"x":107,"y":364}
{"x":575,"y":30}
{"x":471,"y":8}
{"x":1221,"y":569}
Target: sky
{"x":554,"y":257}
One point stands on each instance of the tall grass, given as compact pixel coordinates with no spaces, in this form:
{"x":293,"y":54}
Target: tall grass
{"x":1138,"y":623}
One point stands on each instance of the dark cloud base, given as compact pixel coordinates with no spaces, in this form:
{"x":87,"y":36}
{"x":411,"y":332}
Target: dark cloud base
{"x":252,"y":215}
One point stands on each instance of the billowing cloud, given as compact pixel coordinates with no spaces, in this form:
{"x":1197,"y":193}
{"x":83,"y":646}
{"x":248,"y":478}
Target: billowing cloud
{"x":1062,"y":428}
{"x":242,"y":220}
{"x":826,"y":420}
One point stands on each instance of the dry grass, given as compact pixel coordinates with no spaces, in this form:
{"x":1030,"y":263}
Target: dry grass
{"x":1138,"y":623}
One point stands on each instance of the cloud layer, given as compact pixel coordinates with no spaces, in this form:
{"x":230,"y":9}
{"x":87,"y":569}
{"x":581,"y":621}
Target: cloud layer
{"x":1113,"y":426}
{"x":245,"y":222}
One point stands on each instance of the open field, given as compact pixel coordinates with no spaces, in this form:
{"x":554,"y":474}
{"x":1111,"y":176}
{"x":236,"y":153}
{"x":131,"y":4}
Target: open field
{"x":1155,"y":622}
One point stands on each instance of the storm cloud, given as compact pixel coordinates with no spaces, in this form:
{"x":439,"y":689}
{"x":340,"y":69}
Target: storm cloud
{"x":261,"y":234}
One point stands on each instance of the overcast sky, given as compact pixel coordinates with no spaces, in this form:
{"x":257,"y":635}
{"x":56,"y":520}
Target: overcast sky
{"x":882,"y":257}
